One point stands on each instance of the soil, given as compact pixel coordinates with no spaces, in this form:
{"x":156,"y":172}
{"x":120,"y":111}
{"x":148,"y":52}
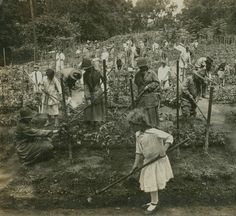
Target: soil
{"x":166,"y":211}
{"x":200,"y":179}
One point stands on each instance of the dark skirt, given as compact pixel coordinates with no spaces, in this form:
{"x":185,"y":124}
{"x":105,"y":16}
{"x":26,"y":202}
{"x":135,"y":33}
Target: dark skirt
{"x":30,"y":153}
{"x":95,"y":112}
{"x":150,"y":103}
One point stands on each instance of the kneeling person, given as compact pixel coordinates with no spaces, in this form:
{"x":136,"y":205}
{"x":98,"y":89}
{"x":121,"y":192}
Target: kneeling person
{"x":32,"y":145}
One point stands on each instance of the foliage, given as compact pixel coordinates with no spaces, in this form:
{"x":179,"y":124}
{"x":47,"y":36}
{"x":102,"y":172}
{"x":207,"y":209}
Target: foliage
{"x":217,"y":15}
{"x":9,"y":17}
{"x":49,"y":29}
{"x":98,"y":19}
{"x":225,"y":95}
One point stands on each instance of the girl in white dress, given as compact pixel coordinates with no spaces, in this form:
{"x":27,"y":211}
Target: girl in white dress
{"x":151,"y":142}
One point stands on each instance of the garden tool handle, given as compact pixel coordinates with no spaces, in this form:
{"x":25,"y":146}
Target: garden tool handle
{"x":138,"y":169}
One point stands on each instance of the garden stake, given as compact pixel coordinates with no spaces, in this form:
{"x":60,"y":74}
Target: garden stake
{"x":132,"y":91}
{"x":4,"y":56}
{"x":97,"y":192}
{"x":208,"y":120}
{"x":66,"y":116}
{"x":177,"y":114}
{"x":105,"y":85}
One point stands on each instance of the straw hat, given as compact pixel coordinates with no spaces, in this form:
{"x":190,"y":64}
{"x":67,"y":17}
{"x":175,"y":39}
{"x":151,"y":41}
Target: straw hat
{"x":75,"y":74}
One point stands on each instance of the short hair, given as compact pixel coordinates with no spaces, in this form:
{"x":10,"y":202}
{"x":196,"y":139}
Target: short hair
{"x":137,"y":116}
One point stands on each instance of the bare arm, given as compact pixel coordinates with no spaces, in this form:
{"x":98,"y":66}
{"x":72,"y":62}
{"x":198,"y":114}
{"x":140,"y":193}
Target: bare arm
{"x":137,"y":162}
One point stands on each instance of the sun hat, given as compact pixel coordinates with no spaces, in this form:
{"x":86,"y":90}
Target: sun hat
{"x":141,"y":62}
{"x":75,"y":74}
{"x":26,"y":113}
{"x":86,"y":63}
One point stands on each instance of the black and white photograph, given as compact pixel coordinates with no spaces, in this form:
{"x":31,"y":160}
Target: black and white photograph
{"x":117,"y":107}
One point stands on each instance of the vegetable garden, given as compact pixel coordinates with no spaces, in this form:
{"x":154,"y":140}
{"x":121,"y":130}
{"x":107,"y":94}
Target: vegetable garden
{"x":107,"y":153}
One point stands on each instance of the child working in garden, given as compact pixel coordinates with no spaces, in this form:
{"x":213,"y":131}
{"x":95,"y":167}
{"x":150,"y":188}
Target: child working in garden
{"x":151,"y":142}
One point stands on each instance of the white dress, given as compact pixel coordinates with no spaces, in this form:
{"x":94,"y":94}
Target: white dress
{"x":150,"y":143}
{"x":163,"y":75}
{"x":60,"y":58}
{"x":37,"y":78}
{"x":51,"y":98}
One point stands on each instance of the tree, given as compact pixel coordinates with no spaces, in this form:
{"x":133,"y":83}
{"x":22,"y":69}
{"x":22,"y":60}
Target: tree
{"x":49,"y":28}
{"x":9,"y":20}
{"x":219,"y":14}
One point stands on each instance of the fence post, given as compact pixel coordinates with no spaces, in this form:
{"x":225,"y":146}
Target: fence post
{"x":208,"y":120}
{"x":105,"y":85}
{"x":132,"y":91}
{"x":66,"y":116}
{"x":177,"y":113}
{"x":4,"y":56}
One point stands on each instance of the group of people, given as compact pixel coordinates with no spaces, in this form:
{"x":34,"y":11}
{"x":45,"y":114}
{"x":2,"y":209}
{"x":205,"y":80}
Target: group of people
{"x":144,"y":120}
{"x":149,"y":82}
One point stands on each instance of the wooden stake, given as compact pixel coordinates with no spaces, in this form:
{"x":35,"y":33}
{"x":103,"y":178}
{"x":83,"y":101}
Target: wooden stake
{"x":34,"y":30}
{"x":105,"y":85}
{"x":177,"y":113}
{"x":132,"y":92}
{"x":208,"y":120}
{"x":66,"y":116}
{"x":4,"y":56}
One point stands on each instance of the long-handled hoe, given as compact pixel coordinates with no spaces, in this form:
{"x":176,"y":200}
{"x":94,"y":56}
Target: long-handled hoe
{"x":97,"y":192}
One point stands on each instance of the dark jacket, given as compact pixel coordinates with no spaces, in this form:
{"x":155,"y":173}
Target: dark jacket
{"x":31,"y":144}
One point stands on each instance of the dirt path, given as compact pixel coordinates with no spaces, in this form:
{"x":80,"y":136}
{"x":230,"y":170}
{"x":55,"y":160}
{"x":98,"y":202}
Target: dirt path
{"x":180,"y":211}
{"x":5,"y":178}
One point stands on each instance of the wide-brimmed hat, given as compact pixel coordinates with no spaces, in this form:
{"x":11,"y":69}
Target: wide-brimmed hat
{"x":26,"y":113}
{"x":86,"y":63}
{"x":75,"y":74}
{"x":141,"y":62}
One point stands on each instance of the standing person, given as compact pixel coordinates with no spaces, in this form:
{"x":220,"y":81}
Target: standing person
{"x":221,"y":73}
{"x":190,"y":93}
{"x":163,"y":75}
{"x":148,"y":91}
{"x":142,"y":49}
{"x":95,"y":112}
{"x":192,"y":48}
{"x":105,"y":54}
{"x":32,"y":145}
{"x":60,"y":58}
{"x":133,"y":55}
{"x":37,"y":77}
{"x":52,"y":96}
{"x":151,"y":142}
{"x":119,"y":61}
{"x":184,"y":62}
{"x":70,"y":82}
{"x":155,"y":47}
{"x":203,"y":67}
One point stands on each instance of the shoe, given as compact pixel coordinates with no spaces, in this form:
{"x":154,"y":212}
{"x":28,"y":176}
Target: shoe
{"x":46,"y":124}
{"x":152,"y":208}
{"x":144,"y":206}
